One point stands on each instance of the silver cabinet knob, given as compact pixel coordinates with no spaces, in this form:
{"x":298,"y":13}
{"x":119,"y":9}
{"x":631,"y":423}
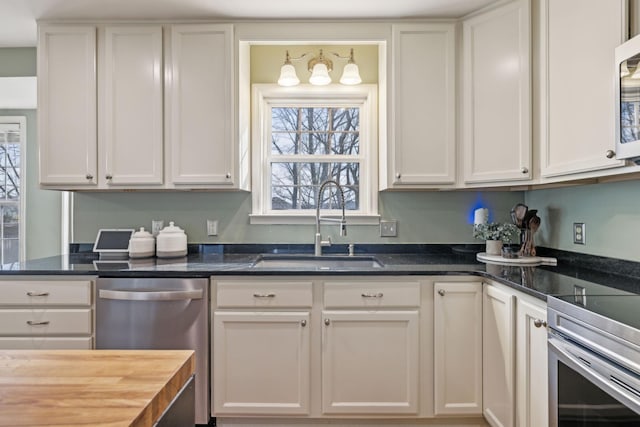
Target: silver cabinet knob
{"x":524,"y":170}
{"x":539,"y":323}
{"x":398,"y":175}
{"x":228,"y":175}
{"x":89,"y":177}
{"x":109,"y":177}
{"x":610,"y":154}
{"x":303,"y":323}
{"x":327,"y":322}
{"x":441,"y":292}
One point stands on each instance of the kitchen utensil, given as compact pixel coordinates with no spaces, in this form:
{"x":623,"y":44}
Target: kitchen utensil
{"x":534,"y":224}
{"x":171,"y":242}
{"x":517,"y":214}
{"x":142,"y":244}
{"x":527,"y":217}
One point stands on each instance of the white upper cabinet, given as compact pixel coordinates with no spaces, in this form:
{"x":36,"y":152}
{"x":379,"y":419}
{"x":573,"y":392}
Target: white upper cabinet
{"x":422,"y":129}
{"x":578,"y":38}
{"x":497,"y":95}
{"x":67,"y":113}
{"x":132,"y":133}
{"x":200,"y":113}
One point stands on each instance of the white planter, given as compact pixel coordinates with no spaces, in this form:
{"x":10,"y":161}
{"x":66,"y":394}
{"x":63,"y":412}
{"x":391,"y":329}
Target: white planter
{"x":494,"y":247}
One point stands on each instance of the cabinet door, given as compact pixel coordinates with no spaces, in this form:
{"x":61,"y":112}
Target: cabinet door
{"x":498,"y":357}
{"x":422,"y":127}
{"x":458,"y":348}
{"x":67,"y":110}
{"x":497,"y":95}
{"x":532,"y":379}
{"x":370,"y":362}
{"x":578,"y":38}
{"x":261,"y":363}
{"x":200,"y":105}
{"x":132,"y":151}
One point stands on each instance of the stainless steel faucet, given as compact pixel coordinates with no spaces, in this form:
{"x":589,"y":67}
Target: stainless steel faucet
{"x":319,"y":243}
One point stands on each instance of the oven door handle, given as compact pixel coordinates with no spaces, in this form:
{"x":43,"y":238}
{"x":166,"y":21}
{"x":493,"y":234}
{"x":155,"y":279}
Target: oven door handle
{"x":137,"y":295}
{"x":601,"y":373}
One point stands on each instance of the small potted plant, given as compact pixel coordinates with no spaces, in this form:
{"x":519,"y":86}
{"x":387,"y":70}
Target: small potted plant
{"x":495,"y":233}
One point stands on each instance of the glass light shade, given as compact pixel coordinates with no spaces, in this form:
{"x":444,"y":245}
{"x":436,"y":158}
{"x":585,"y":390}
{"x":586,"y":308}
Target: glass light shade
{"x":320,"y":75}
{"x":350,"y":75}
{"x":288,"y":76}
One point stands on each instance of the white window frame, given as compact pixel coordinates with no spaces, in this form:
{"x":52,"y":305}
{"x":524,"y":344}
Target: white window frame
{"x":22,"y":121}
{"x":266,"y":96}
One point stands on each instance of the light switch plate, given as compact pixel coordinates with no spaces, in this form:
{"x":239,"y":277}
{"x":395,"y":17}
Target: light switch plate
{"x":579,"y":237}
{"x":389,"y":228}
{"x":212,"y":227}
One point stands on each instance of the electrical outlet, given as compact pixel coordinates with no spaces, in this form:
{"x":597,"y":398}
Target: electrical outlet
{"x":579,"y":236}
{"x":212,"y":227}
{"x":156,"y":226}
{"x":580,"y":295}
{"x":388,"y":228}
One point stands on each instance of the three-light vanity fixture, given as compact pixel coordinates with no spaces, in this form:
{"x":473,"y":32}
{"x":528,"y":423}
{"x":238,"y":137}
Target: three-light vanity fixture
{"x":319,"y":66}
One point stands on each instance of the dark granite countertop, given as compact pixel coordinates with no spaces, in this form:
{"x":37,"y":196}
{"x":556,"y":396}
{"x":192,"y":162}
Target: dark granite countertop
{"x":398,"y":260}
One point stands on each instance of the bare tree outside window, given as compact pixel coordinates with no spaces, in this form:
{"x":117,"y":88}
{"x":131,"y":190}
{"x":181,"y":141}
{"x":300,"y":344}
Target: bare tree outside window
{"x":10,"y":171}
{"x":310,"y":144}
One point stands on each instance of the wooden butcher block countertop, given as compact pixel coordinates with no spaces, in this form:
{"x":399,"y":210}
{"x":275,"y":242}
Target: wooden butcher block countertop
{"x":90,"y":387}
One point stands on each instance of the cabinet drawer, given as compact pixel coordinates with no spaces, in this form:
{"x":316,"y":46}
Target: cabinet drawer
{"x":42,"y":343}
{"x":45,"y":292}
{"x":45,"y":321}
{"x":264,"y":294}
{"x":371,"y":295}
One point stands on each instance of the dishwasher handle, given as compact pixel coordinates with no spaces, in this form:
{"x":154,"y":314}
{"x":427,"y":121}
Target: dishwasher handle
{"x":138,"y":295}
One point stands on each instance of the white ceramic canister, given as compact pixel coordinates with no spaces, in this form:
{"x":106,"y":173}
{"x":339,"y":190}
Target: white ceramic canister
{"x":142,"y":244}
{"x":171,"y":242}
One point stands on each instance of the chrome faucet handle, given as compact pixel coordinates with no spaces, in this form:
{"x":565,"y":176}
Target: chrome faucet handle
{"x":326,"y":242}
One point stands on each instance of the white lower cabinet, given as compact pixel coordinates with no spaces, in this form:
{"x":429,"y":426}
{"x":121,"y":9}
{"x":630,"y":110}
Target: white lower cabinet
{"x":498,"y":356}
{"x":51,"y":313}
{"x":370,"y":362}
{"x":405,"y":347}
{"x":261,"y":363}
{"x":532,"y":384}
{"x":515,"y":358}
{"x":457,"y":347}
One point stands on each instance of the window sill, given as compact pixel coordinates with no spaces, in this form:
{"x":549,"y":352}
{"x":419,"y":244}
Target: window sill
{"x":258,"y":219}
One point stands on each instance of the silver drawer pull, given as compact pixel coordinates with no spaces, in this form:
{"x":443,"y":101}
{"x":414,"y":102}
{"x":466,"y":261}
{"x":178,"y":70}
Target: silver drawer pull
{"x":378,"y":295}
{"x":38,"y":294}
{"x":264,"y":295}
{"x":441,"y":292}
{"x":32,"y":323}
{"x":303,"y":323}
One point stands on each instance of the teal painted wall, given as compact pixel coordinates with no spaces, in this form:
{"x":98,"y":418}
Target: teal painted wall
{"x":423,"y":217}
{"x":611,"y":213}
{"x":17,"y":61}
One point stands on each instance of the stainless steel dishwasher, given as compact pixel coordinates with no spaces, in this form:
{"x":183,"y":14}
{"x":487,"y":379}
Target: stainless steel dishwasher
{"x":163,"y":314}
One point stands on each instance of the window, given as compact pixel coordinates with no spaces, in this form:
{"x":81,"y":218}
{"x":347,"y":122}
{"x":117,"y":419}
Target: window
{"x":305,"y":135}
{"x":12,"y":138}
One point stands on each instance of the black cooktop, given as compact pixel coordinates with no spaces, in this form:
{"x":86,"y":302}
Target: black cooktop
{"x":621,"y":306}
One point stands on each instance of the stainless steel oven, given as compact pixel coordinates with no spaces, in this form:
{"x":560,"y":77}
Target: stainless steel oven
{"x":594,"y":361}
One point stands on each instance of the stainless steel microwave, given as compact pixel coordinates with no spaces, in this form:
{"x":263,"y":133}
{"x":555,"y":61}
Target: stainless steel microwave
{"x":628,"y":100}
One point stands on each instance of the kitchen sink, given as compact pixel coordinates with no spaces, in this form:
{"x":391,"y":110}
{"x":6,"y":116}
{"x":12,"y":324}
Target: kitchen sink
{"x":325,"y":262}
